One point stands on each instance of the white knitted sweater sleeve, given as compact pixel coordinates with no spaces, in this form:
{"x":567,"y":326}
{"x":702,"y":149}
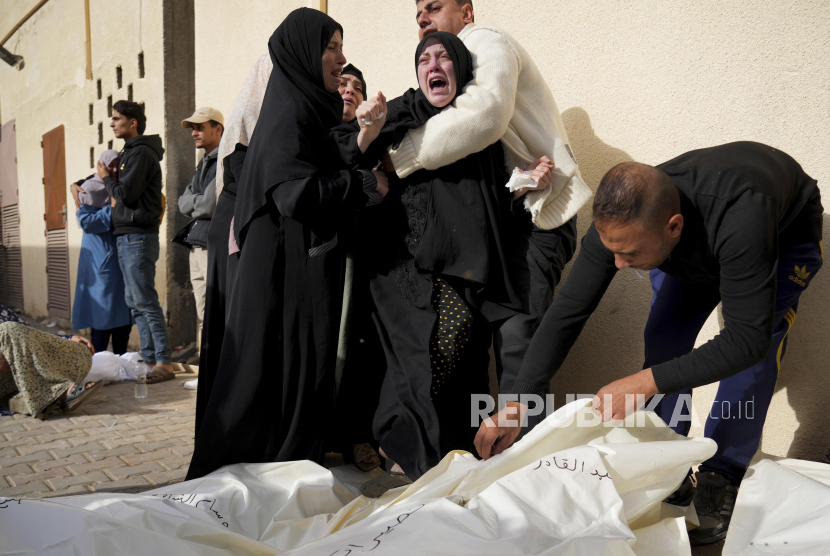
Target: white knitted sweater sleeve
{"x":476,"y":119}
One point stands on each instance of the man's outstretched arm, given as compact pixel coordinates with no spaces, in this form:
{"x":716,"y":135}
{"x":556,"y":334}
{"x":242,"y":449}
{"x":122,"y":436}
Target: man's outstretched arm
{"x":564,"y":320}
{"x":478,"y":118}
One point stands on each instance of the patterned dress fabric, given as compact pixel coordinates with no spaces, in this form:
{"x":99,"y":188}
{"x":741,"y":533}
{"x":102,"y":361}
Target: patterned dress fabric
{"x":7,"y":315}
{"x":451,"y":334}
{"x":43,"y":365}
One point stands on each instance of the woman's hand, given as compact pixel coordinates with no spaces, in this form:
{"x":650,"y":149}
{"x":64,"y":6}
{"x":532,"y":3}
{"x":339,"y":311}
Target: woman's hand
{"x":83,"y":341}
{"x":542,"y":175}
{"x":103,"y":171}
{"x":383,"y":182}
{"x":76,"y":189}
{"x":371,"y":115}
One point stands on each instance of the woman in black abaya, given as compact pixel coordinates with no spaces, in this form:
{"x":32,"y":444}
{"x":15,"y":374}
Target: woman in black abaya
{"x":275,"y":381}
{"x":221,"y":269}
{"x":443,"y":279}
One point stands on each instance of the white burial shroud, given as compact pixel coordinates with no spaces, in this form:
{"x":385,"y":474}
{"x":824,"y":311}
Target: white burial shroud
{"x":567,"y":488}
{"x":783,"y":508}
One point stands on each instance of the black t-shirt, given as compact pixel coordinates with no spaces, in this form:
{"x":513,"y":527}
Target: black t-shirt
{"x":741,"y":202}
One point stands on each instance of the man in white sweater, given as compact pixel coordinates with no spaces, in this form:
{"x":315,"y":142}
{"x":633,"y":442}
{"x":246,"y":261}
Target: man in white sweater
{"x":507,"y":100}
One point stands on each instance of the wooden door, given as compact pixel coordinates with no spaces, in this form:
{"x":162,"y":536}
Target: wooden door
{"x":54,"y":179}
{"x":11,"y":264}
{"x":57,"y":251}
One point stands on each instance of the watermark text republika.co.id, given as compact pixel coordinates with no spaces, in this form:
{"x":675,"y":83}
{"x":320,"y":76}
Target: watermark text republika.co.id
{"x":483,"y":405}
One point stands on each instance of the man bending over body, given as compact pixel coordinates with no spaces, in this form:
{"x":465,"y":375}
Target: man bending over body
{"x":507,"y":100}
{"x":738,"y":224}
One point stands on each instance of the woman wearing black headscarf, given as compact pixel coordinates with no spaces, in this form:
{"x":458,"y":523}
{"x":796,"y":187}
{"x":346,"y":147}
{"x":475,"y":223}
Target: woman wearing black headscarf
{"x":443,"y":280}
{"x":275,"y":380}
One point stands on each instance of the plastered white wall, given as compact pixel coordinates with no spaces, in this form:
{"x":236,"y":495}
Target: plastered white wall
{"x":230,"y":36}
{"x":52,"y":90}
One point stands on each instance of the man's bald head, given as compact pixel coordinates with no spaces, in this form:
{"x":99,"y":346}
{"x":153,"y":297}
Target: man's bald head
{"x":635,"y":192}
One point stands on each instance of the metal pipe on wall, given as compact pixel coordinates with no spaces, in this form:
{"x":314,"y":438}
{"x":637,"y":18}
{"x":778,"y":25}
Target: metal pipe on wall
{"x":24,"y":20}
{"x":88,"y":41}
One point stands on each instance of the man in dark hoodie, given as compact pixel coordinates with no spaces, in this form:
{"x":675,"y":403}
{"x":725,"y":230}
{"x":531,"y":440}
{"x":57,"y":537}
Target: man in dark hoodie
{"x":136,"y":216}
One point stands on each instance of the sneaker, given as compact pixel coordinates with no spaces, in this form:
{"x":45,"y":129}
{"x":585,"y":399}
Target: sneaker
{"x":714,"y":504}
{"x":684,"y":494}
{"x":182,"y":353}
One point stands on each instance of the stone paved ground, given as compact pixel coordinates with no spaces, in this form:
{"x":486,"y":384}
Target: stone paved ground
{"x":113,"y":443}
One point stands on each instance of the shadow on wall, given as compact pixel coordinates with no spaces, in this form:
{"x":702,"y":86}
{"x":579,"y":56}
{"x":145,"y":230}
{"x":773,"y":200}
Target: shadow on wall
{"x":595,"y":156}
{"x":804,"y":368}
{"x":580,"y":374}
{"x":611,"y":344}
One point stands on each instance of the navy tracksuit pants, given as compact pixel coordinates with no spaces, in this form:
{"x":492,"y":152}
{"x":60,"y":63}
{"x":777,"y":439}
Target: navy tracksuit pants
{"x":678,"y":312}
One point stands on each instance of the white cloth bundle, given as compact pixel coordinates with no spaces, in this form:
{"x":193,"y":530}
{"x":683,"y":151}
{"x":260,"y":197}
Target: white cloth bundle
{"x":783,"y":508}
{"x":571,"y":486}
{"x":110,"y":367}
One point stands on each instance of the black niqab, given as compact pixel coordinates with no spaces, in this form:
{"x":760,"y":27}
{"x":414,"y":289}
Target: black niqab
{"x":291,"y":140}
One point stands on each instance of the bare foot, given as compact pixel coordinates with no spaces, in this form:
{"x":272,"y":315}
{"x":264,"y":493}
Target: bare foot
{"x":395,"y":468}
{"x":62,"y":397}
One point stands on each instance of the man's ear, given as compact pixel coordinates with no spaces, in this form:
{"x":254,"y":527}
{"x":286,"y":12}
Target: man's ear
{"x":675,"y":226}
{"x":133,"y":123}
{"x":467,"y":12}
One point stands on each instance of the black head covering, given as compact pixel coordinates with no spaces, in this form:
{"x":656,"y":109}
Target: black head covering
{"x":462,"y":60}
{"x":351,"y":70}
{"x":412,"y":110}
{"x":291,"y":139}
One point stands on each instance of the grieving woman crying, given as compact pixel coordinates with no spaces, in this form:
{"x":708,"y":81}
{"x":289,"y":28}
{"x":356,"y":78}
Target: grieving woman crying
{"x":274,"y":385}
{"x":440,"y":278}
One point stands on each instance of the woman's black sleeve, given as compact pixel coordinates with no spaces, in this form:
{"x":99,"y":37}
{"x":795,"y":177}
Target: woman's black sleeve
{"x":309,"y":198}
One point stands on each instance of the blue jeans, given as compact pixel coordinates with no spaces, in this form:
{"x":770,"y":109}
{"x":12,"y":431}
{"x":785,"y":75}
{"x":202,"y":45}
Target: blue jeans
{"x":137,"y":255}
{"x":736,"y":419}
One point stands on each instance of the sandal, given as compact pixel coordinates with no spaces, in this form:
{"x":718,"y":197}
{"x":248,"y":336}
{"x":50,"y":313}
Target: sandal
{"x":365,"y":457}
{"x":78,"y":394}
{"x":377,"y":487}
{"x":159,"y":374}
